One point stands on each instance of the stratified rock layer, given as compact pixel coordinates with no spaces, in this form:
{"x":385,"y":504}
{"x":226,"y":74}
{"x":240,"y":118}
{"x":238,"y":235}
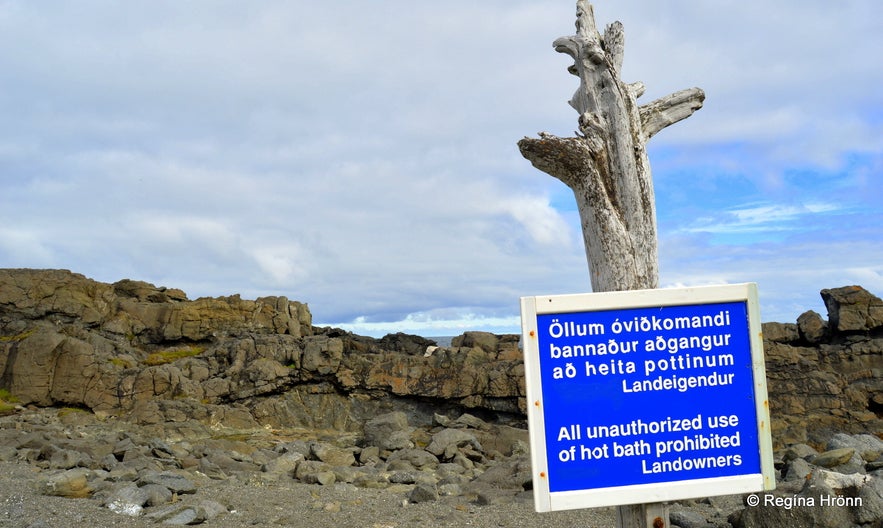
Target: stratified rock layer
{"x":826,"y":377}
{"x":150,"y":355}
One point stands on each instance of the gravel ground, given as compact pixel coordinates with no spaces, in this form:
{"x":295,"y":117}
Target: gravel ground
{"x":285,"y":504}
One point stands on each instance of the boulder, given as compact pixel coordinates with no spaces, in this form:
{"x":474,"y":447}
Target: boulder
{"x":315,"y":472}
{"x":322,"y":355}
{"x":283,"y":465}
{"x":71,"y":484}
{"x":514,"y":473}
{"x":188,"y":514}
{"x":411,"y":345}
{"x":389,"y":431}
{"x":811,"y":327}
{"x":871,"y":497}
{"x":780,"y":332}
{"x":835,"y":457}
{"x":423,"y":492}
{"x":852,"y":309}
{"x":331,"y":455}
{"x":415,"y":458}
{"x":174,"y":482}
{"x":869,"y":447}
{"x":688,"y":519}
{"x":446,"y":442}
{"x":128,"y":500}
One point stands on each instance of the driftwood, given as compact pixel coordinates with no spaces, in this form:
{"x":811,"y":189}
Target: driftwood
{"x":606,"y":163}
{"x":607,"y":168}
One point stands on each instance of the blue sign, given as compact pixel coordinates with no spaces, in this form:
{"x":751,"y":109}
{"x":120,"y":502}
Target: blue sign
{"x":646,"y":395}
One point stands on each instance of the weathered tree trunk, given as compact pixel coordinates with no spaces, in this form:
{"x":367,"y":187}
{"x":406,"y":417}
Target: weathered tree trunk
{"x":606,"y":165}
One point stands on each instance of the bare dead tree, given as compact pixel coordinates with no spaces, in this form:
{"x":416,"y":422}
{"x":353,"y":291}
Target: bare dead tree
{"x":607,"y":168}
{"x":606,"y":164}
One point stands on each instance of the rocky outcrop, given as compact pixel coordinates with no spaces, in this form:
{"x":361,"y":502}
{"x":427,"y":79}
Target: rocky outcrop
{"x":148,"y":353}
{"x":824,"y":377}
{"x":147,"y":359}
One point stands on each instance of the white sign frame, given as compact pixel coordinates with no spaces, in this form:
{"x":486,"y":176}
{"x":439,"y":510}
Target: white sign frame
{"x":544,"y":499}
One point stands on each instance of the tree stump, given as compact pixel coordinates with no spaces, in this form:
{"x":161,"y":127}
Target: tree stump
{"x":606,"y":164}
{"x":607,"y":168}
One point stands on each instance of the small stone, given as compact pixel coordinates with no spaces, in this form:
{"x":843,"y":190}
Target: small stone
{"x":370,"y":455}
{"x":314,"y":472}
{"x":283,"y":464}
{"x":835,"y":457}
{"x":423,"y":492}
{"x":467,"y":420}
{"x":450,"y":490}
{"x":67,"y":459}
{"x":415,"y":458}
{"x":371,"y":480}
{"x":124,"y":508}
{"x":324,"y":478}
{"x":799,"y":451}
{"x":839,"y":481}
{"x":869,"y":447}
{"x":183,"y":517}
{"x":208,"y":509}
{"x":798,"y":469}
{"x":442,"y":420}
{"x":156,"y":495}
{"x":446,"y":441}
{"x":403,"y":477}
{"x":72,"y":484}
{"x":871,"y":496}
{"x":128,"y":498}
{"x":345,"y":473}
{"x":687,"y":519}
{"x":8,"y":453}
{"x":174,"y":482}
{"x":163,"y":513}
{"x":333,"y":456}
{"x":210,"y":469}
{"x":491,"y":496}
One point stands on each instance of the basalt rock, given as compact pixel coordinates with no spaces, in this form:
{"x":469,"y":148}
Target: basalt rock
{"x":181,"y":390}
{"x":160,"y":479}
{"x":150,"y":355}
{"x":824,"y":377}
{"x":853,"y":309}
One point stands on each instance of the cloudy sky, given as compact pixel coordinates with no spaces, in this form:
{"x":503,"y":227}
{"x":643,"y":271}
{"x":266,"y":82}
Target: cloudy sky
{"x":361,"y":156}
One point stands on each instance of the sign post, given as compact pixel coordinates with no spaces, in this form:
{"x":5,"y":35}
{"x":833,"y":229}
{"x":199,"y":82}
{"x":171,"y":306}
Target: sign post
{"x":646,"y":396}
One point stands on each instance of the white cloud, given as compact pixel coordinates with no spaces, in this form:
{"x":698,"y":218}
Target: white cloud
{"x":453,"y":322}
{"x":758,"y":218}
{"x":361,"y":156}
{"x":544,"y":224}
{"x":789,"y":276}
{"x":24,"y":248}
